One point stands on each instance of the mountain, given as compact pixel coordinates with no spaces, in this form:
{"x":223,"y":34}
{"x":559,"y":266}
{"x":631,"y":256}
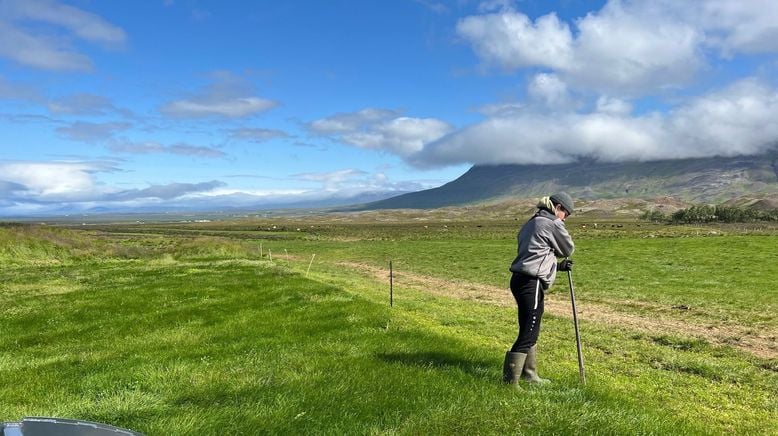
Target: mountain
{"x":702,"y":180}
{"x":329,"y":202}
{"x":227,"y":204}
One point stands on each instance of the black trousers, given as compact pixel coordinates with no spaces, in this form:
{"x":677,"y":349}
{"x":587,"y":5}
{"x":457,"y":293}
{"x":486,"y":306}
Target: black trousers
{"x":528,"y":293}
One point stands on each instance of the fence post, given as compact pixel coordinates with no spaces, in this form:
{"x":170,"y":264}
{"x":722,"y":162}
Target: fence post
{"x":391,"y":285}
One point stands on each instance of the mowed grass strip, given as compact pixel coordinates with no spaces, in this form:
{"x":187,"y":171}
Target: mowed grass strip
{"x":721,"y":279}
{"x":246,"y":348}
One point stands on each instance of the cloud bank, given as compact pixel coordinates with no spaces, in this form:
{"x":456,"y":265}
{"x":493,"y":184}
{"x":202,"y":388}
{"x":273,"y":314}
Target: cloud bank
{"x":65,"y":187}
{"x":739,"y":120}
{"x":587,"y":87}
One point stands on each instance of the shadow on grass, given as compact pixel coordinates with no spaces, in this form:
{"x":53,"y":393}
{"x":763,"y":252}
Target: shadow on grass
{"x":440,"y":360}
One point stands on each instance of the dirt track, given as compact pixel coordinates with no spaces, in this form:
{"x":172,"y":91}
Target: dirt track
{"x":762,"y":345}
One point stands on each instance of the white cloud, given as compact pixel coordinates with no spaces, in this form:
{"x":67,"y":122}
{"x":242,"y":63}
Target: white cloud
{"x":331,"y":180}
{"x":104,"y":133}
{"x":351,"y":121}
{"x":402,"y":136}
{"x":613,"y":106}
{"x":500,"y":109}
{"x":9,"y":188}
{"x":633,"y":47}
{"x":627,"y":47}
{"x":351,"y":182}
{"x":30,"y":187}
{"x":747,"y":26}
{"x":511,"y":40}
{"x":151,"y":147}
{"x":40,"y":52}
{"x":58,"y":188}
{"x":381,"y":129}
{"x":226,"y":96}
{"x":495,"y":5}
{"x":165,"y":192}
{"x":85,"y":25}
{"x":256,"y":194}
{"x":550,"y":91}
{"x":18,"y":91}
{"x":257,"y":135}
{"x":37,"y":33}
{"x":81,"y":104}
{"x":92,"y":132}
{"x":606,"y":60}
{"x":742,"y":119}
{"x":55,"y":180}
{"x":237,"y":107}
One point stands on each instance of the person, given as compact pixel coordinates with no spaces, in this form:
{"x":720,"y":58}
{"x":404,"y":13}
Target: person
{"x":540,"y":241}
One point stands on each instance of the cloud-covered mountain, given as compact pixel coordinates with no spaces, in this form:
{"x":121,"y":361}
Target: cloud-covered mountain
{"x":702,"y":180}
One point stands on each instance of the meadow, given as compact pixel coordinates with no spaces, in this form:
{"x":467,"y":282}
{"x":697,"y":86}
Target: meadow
{"x":283,"y":325}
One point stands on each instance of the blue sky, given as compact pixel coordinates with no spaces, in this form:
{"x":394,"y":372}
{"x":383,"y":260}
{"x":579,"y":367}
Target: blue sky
{"x":129,"y":105}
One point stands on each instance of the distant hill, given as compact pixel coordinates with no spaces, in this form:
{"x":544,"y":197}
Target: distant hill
{"x":205,"y":207}
{"x":705,"y":180}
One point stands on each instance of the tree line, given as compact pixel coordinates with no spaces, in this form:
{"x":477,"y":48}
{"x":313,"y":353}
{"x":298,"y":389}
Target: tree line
{"x":710,"y":214}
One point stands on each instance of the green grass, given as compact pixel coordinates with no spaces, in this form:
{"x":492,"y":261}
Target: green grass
{"x":180,"y":334}
{"x":725,"y":278}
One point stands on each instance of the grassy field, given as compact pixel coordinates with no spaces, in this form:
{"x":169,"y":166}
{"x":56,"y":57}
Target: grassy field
{"x":193,"y":329}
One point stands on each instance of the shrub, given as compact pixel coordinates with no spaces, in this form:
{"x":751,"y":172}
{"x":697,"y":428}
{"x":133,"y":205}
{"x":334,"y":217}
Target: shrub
{"x":722,"y":214}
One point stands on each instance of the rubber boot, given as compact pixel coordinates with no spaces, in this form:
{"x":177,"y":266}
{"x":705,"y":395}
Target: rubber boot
{"x":530,"y":371}
{"x":512,"y":367}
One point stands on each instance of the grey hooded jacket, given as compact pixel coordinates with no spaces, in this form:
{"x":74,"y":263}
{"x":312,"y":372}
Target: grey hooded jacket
{"x":540,"y":240}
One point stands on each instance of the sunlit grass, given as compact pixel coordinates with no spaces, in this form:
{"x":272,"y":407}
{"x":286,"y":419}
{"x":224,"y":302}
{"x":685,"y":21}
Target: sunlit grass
{"x":203,"y":336}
